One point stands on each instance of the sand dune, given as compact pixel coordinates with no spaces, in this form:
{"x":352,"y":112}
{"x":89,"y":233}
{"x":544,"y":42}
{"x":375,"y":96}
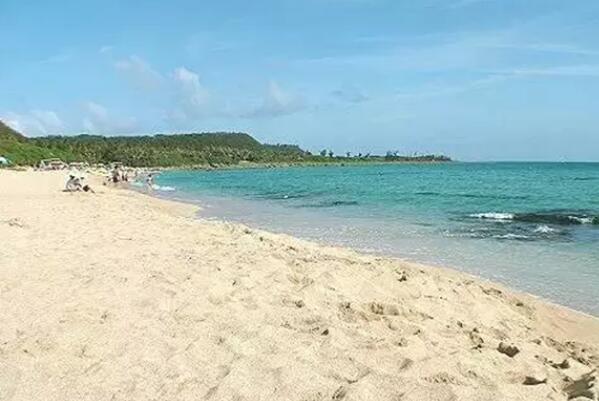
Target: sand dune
{"x":119,"y":296}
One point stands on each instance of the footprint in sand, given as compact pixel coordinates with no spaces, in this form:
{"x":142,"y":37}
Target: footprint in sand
{"x":508,"y":349}
{"x":476,"y":339}
{"x":443,"y":378}
{"x":383,"y":309}
{"x":303,"y":281}
{"x":14,"y":222}
{"x":584,"y":387}
{"x":350,"y":315}
{"x":339,"y":394}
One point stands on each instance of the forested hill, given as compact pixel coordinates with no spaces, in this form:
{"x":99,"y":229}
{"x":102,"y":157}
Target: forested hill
{"x":9,"y":134}
{"x":18,"y":148}
{"x":177,"y":150}
{"x":169,"y":150}
{"x":156,"y":151}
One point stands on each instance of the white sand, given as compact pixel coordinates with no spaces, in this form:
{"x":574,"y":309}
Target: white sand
{"x":119,"y":296}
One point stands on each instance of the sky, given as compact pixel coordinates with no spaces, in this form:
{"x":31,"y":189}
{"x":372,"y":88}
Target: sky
{"x":473,"y":79}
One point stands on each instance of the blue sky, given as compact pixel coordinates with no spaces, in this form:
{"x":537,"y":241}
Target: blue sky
{"x":475,"y":79}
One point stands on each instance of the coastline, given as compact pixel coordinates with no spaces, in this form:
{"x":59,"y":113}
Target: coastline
{"x":246,"y":165}
{"x":129,"y":296}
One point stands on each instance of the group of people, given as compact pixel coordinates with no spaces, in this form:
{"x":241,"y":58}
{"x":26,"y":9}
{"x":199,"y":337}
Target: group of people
{"x":119,"y":175}
{"x":76,"y":184}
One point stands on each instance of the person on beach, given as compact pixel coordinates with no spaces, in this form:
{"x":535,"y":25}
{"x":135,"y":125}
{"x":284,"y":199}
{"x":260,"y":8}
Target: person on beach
{"x":116,"y":175}
{"x":75,"y":184}
{"x":72,"y":184}
{"x":86,"y":187}
{"x":150,"y":182}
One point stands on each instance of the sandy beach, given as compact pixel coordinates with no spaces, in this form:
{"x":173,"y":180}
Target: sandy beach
{"x":121,"y":296}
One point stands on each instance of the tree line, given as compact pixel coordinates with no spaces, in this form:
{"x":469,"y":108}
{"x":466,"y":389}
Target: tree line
{"x":199,"y":149}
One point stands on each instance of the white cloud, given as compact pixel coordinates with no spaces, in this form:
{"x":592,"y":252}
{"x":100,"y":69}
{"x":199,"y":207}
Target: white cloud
{"x":473,"y":51}
{"x":277,"y":102}
{"x":139,"y":72}
{"x":99,"y":121}
{"x":34,"y":122}
{"x":193,"y":98}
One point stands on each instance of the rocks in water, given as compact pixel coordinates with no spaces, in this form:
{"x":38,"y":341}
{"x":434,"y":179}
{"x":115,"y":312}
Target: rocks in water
{"x":533,"y":381}
{"x":585,"y":387}
{"x":508,"y":349}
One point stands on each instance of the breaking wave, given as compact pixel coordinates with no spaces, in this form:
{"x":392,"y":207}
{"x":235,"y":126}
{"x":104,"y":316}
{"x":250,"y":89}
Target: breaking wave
{"x":555,"y":218}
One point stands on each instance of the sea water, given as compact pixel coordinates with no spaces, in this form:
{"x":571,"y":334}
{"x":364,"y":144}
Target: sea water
{"x":532,"y":226}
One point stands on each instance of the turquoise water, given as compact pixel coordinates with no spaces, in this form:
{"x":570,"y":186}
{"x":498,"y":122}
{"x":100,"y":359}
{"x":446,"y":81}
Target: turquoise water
{"x":533,"y":226}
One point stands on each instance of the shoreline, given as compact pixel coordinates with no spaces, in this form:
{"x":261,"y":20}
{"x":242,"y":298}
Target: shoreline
{"x":443,"y":251}
{"x":206,"y":305}
{"x":197,"y":203}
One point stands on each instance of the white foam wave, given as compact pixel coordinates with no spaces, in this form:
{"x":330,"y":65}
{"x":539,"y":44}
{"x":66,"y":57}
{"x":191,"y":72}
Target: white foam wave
{"x":581,"y":220}
{"x":493,"y":216}
{"x":511,"y":236}
{"x":164,"y":188}
{"x":544,"y":229}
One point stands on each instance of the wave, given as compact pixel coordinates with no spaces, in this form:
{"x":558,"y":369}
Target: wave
{"x":544,"y":229}
{"x":331,"y":204}
{"x":493,"y":216}
{"x":283,"y":196}
{"x":585,"y":178}
{"x":556,"y":218}
{"x":513,"y":237}
{"x":473,"y":196}
{"x":156,"y":187}
{"x":164,"y":188}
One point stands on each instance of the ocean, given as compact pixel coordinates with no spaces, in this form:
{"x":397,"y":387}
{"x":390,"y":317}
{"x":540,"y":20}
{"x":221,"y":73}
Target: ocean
{"x":531,"y":226}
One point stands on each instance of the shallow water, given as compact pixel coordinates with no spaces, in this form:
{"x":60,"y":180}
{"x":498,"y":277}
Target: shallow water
{"x":533,"y":226}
